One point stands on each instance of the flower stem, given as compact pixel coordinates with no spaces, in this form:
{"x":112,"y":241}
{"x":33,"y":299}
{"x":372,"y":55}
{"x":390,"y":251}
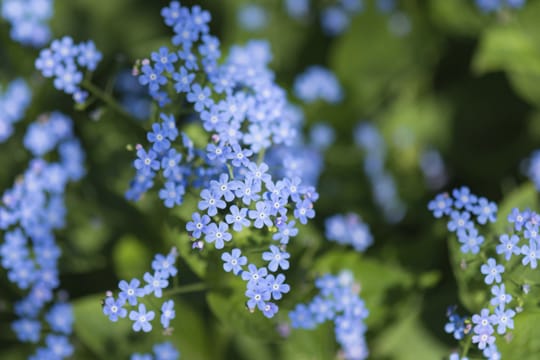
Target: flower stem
{"x":106,"y":98}
{"x":186,"y":289}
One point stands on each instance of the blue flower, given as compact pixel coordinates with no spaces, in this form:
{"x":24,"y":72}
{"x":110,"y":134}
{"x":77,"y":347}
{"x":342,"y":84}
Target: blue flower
{"x":146,"y":162}
{"x":27,"y":330}
{"x":198,"y":225}
{"x":276,"y":258}
{"x":158,"y":137}
{"x":130,"y":291}
{"x":285,"y":231}
{"x":464,"y":198}
{"x":217,"y":234}
{"x":261,"y":215}
{"x":152,"y":77}
{"x":233,"y":261}
{"x":441,"y":205}
{"x":200,"y":96}
{"x":165,"y":265}
{"x":114,"y":308}
{"x":317,"y":83}
{"x":164,"y":59}
{"x":258,"y":294}
{"x":508,"y":246}
{"x":167,"y":313}
{"x":155,"y":283}
{"x":59,"y":346}
{"x":210,"y":201}
{"x":470,"y":241}
{"x":253,"y":274}
{"x":529,"y":254}
{"x":172,"y":194}
{"x":237,"y":218}
{"x":503,"y":319}
{"x":277,"y":286}
{"x":166,"y":351}
{"x":501,"y":298}
{"x":60,"y":318}
{"x":141,"y":319}
{"x":303,"y":211}
{"x":183,"y":80}
{"x":460,"y":221}
{"x":492,"y":270}
{"x":485,"y":211}
{"x":518,"y":218}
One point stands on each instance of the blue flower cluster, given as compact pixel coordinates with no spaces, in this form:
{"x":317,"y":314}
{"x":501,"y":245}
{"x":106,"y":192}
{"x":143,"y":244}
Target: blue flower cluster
{"x":63,"y":61}
{"x":28,"y":20}
{"x":13,"y":103}
{"x":246,"y":116}
{"x":132,"y":292}
{"x":497,"y":5}
{"x":497,"y":317}
{"x":30,"y":213}
{"x":465,"y":209}
{"x":368,"y":138}
{"x":349,"y":229}
{"x":318,"y":83}
{"x":339,"y":302}
{"x":163,"y":351}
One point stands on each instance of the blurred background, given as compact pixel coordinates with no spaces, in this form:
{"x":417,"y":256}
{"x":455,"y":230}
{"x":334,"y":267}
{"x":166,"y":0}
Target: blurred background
{"x":434,"y":95}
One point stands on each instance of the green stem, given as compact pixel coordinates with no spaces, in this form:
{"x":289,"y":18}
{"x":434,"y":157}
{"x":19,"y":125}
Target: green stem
{"x":260,"y":158}
{"x":466,"y":347}
{"x":186,"y":289}
{"x":106,"y":98}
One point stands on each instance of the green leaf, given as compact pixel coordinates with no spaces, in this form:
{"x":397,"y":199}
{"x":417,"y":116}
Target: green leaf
{"x":408,"y":340}
{"x":310,"y":344}
{"x":525,"y":339}
{"x":232,"y":312}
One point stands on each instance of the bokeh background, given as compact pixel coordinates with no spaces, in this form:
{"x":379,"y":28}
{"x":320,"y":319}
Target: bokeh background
{"x":433,"y":77}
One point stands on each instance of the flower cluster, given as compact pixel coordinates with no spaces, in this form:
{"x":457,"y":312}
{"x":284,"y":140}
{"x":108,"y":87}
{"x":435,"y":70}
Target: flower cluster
{"x":252,"y":200}
{"x":465,"y":209}
{"x":30,"y":213}
{"x":339,"y":302}
{"x":498,"y":5}
{"x":163,"y":351}
{"x":249,"y":124}
{"x":368,"y":138}
{"x":497,"y":317}
{"x":13,"y":103}
{"x":349,"y":229}
{"x":317,"y":82}
{"x":63,"y":61}
{"x":132,"y":292}
{"x":28,"y":20}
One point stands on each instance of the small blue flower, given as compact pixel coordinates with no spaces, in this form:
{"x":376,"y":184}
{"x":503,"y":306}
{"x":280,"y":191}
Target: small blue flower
{"x":503,"y":319}
{"x":131,"y":291}
{"x":530,"y":254}
{"x":167,"y":313}
{"x":233,"y":261}
{"x":141,"y":319}
{"x":218,"y":234}
{"x":198,"y":225}
{"x":500,"y":297}
{"x":492,"y":270}
{"x":277,"y":286}
{"x":508,"y":246}
{"x":165,"y":265}
{"x":155,"y":283}
{"x":114,"y":308}
{"x":276,"y":258}
{"x":237,"y":218}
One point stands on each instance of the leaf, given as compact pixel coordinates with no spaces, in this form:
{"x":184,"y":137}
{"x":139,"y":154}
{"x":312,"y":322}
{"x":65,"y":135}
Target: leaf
{"x":409,"y":334}
{"x":232,"y":312}
{"x":525,"y":342}
{"x":304,"y":344}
